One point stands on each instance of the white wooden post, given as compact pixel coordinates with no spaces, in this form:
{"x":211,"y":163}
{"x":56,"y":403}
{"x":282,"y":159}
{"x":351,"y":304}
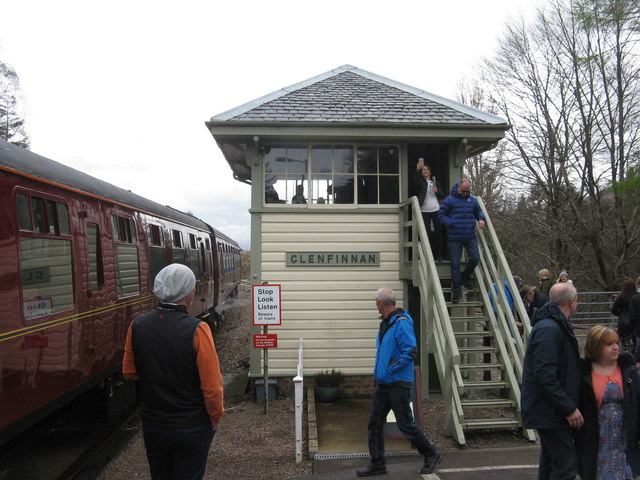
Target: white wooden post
{"x":299,"y":394}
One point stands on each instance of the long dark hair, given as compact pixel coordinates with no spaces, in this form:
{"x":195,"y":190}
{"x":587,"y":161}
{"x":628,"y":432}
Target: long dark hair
{"x":628,"y":289}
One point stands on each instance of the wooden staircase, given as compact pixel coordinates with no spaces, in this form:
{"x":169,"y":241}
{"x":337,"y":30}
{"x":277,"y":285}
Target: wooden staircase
{"x":478,"y":353}
{"x":487,"y":398}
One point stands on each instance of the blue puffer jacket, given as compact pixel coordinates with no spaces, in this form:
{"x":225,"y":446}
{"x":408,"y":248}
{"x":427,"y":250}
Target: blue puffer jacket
{"x":395,"y":350}
{"x":459,"y":215}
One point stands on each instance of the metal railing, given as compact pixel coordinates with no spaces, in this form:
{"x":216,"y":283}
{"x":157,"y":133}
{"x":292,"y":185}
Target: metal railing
{"x":439,"y":339}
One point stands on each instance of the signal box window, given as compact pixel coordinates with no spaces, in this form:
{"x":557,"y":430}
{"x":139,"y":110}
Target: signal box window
{"x":126,"y":253}
{"x":46,"y":272}
{"x":332,"y":174}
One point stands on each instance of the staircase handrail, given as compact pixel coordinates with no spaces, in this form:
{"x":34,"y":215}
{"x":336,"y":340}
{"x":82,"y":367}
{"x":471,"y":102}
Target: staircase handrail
{"x":498,"y":272}
{"x":439,"y":331}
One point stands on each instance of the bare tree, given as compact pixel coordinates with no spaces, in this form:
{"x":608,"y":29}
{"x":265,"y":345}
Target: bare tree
{"x":568,"y":85}
{"x":12,"y":127}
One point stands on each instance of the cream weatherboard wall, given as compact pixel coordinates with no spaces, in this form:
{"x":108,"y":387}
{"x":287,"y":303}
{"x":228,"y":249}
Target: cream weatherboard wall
{"x":331,"y":307}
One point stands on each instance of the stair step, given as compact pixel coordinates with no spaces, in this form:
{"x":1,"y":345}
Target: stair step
{"x":490,"y":423}
{"x":477,"y":349}
{"x":481,"y":366}
{"x":478,"y":385}
{"x":480,"y":333}
{"x":474,"y":318}
{"x":488,"y":403}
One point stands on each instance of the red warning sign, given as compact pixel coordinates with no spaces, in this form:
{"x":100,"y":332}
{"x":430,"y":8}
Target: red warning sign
{"x":268,"y":340}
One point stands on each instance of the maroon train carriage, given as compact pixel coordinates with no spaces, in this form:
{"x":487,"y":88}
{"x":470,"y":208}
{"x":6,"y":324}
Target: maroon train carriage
{"x":77,"y":261}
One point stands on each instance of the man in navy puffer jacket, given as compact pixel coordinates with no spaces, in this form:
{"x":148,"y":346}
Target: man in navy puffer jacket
{"x":396,"y":350}
{"x":459,"y":213}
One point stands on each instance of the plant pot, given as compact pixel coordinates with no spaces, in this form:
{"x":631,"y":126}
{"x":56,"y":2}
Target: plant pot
{"x":327,"y":394}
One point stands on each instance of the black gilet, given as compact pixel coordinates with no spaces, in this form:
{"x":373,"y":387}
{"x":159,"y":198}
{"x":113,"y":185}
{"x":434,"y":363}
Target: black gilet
{"x":165,"y":360}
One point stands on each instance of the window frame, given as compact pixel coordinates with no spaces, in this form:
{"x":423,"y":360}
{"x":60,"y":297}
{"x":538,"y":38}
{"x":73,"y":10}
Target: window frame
{"x":311,"y":178}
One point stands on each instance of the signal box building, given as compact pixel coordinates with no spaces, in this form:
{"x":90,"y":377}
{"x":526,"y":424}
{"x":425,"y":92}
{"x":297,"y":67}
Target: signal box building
{"x":331,"y":161}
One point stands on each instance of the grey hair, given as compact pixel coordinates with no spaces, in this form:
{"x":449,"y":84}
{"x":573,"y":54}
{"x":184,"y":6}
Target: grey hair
{"x":386,"y":296}
{"x":562,"y":293}
{"x":465,"y":180}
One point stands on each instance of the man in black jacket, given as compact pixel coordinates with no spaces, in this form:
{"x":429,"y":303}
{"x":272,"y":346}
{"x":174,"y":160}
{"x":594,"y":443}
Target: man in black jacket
{"x":551,"y":384}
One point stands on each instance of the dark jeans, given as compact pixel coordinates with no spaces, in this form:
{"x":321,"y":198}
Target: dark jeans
{"x":386,"y":398}
{"x":177,"y":454}
{"x":558,"y":458}
{"x":473,"y":257}
{"x":435,"y":235}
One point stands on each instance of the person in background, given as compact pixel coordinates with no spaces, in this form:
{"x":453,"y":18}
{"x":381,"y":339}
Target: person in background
{"x":298,"y":198}
{"x":564,"y":277}
{"x":551,"y":384}
{"x":429,"y":198}
{"x":173,"y":356}
{"x":532,"y":299}
{"x":545,"y":282}
{"x":607,"y":444}
{"x":460,"y":212}
{"x":396,"y":351}
{"x":634,"y":316}
{"x":620,"y":309}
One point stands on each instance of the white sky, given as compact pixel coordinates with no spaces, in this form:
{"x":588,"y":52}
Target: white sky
{"x":121,"y":89}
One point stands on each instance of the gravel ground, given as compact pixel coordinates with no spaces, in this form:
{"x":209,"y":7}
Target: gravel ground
{"x":250,"y":444}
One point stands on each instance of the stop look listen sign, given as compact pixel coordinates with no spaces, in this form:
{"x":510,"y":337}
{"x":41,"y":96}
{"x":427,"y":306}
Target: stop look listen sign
{"x":267,"y":305}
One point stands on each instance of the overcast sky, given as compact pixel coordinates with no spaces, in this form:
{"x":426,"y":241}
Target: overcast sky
{"x":121,"y":89}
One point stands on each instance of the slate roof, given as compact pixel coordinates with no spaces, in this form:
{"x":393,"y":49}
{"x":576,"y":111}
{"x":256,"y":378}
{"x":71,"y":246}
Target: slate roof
{"x":349,"y":95}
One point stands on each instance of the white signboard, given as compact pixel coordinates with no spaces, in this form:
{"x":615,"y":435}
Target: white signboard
{"x":266,"y":305}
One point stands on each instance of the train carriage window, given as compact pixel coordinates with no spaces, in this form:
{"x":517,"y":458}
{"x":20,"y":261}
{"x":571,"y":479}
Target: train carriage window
{"x":155,"y":235}
{"x":192,"y":241}
{"x":176,"y":235}
{"x":124,"y":229}
{"x":46,"y":276}
{"x":24,"y":212}
{"x":126,"y":253}
{"x":157,"y":256}
{"x":39,"y":215}
{"x":63,"y":219}
{"x":96,"y":276}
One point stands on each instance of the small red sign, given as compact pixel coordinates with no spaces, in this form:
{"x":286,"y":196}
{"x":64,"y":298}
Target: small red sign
{"x":269,"y":340}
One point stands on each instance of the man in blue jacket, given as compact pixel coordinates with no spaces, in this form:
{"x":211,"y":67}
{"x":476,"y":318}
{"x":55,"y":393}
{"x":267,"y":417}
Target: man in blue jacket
{"x":393,"y":372}
{"x":459,"y":213}
{"x":551,"y":384}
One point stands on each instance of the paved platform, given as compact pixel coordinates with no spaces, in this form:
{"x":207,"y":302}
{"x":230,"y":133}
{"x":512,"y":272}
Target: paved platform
{"x":341,"y":448}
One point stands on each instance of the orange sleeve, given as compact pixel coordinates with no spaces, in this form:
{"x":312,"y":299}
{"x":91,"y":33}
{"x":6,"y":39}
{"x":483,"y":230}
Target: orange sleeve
{"x":129,"y":360}
{"x":209,"y":371}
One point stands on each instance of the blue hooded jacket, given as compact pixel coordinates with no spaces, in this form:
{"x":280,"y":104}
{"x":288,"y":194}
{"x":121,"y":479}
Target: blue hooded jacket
{"x":459,"y":215}
{"x":395,"y":350}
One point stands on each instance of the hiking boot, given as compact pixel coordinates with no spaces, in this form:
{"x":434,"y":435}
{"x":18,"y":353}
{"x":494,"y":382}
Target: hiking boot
{"x":372,"y":469}
{"x":430,"y":463}
{"x":457,"y":296}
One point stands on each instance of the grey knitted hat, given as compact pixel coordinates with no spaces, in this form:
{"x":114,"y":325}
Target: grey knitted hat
{"x":173,"y":283}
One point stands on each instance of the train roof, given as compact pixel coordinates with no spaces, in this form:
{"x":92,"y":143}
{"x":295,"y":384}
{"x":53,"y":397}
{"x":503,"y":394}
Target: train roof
{"x":23,"y":162}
